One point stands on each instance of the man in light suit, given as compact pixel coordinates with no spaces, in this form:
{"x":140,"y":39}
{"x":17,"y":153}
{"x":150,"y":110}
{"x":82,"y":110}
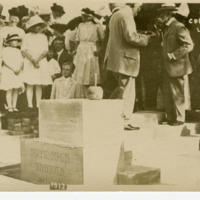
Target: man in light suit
{"x":177,"y":43}
{"x":122,"y":56}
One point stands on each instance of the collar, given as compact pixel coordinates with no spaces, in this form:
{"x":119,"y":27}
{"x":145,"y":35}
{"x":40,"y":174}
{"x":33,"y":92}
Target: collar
{"x":115,"y":9}
{"x":59,"y":52}
{"x":66,"y":79}
{"x":170,"y":21}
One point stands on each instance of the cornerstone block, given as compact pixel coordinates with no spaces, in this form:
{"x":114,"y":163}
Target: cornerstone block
{"x":80,"y":122}
{"x":43,"y":162}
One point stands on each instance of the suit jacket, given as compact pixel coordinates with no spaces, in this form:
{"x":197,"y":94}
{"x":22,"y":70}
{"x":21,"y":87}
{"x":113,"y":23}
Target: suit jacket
{"x":177,"y":40}
{"x":64,"y":88}
{"x":122,"y":52}
{"x":64,"y":57}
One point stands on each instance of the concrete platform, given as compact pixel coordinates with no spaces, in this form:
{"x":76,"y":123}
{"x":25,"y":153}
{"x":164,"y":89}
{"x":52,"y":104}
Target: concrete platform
{"x":176,"y":156}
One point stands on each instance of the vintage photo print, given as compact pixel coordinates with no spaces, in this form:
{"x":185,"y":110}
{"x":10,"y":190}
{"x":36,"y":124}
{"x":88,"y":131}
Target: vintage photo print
{"x":99,"y":96}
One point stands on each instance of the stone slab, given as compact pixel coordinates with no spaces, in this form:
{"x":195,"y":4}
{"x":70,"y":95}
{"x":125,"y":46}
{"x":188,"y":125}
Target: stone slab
{"x":43,"y":162}
{"x":80,"y":122}
{"x":128,"y":157}
{"x":138,"y":175}
{"x":145,"y":119}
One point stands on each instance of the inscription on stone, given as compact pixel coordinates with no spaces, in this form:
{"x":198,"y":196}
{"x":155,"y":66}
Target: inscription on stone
{"x":43,"y":162}
{"x":50,"y":155}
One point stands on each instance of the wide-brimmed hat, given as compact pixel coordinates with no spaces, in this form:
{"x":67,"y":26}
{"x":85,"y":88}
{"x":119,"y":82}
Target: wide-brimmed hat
{"x":61,"y":28}
{"x":12,"y":37}
{"x":58,"y":8}
{"x":91,"y":14}
{"x":73,"y":23}
{"x":19,"y":11}
{"x":168,"y":6}
{"x":35,"y":20}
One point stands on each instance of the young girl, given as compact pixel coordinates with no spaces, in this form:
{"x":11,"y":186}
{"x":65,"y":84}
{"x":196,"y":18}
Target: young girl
{"x":89,"y":37}
{"x":11,"y":80}
{"x":34,"y":49}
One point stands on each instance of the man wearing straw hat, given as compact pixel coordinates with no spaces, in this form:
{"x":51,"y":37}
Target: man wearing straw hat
{"x":122,"y":56}
{"x":177,"y":43}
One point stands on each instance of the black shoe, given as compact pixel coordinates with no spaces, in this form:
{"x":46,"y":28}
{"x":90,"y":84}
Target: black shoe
{"x":129,"y":127}
{"x":176,"y":123}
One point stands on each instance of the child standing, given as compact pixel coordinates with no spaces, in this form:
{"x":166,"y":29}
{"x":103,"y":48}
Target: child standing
{"x":34,"y":49}
{"x":50,"y":69}
{"x":11,"y":80}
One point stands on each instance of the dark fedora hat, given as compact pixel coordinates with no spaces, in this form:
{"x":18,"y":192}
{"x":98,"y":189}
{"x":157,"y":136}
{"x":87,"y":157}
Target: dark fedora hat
{"x":57,"y":8}
{"x":168,"y":6}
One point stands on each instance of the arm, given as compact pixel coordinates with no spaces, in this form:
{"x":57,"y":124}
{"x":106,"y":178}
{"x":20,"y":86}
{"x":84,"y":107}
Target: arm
{"x":130,"y":34}
{"x":186,"y":44}
{"x":28,"y":56}
{"x":4,"y":63}
{"x":53,"y":91}
{"x":43,"y":55}
{"x":101,"y":36}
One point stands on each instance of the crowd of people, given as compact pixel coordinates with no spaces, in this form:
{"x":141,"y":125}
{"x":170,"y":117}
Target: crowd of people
{"x":61,"y":60}
{"x":41,"y":53}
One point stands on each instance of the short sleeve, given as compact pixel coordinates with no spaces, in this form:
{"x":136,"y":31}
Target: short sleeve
{"x":78,"y":33}
{"x":44,"y":42}
{"x":24,"y":45}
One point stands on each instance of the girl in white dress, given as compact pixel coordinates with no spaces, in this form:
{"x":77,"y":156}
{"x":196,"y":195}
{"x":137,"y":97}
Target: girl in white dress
{"x":34,"y":49}
{"x":89,"y":38}
{"x":11,"y":80}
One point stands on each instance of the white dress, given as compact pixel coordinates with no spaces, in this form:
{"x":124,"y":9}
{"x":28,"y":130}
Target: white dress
{"x":14,"y":59}
{"x":87,"y":64}
{"x":35,"y":44}
{"x":49,"y":68}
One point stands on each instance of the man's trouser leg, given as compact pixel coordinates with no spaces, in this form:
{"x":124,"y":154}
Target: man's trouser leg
{"x":178,"y":96}
{"x":127,"y":93}
{"x":173,"y":92}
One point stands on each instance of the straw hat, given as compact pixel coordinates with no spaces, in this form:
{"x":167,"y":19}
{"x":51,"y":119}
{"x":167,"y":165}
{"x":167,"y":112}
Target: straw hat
{"x":34,"y":20}
{"x":12,"y":37}
{"x":168,"y":6}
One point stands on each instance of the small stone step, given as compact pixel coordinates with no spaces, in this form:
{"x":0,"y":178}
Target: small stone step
{"x":138,"y":175}
{"x":148,"y":118}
